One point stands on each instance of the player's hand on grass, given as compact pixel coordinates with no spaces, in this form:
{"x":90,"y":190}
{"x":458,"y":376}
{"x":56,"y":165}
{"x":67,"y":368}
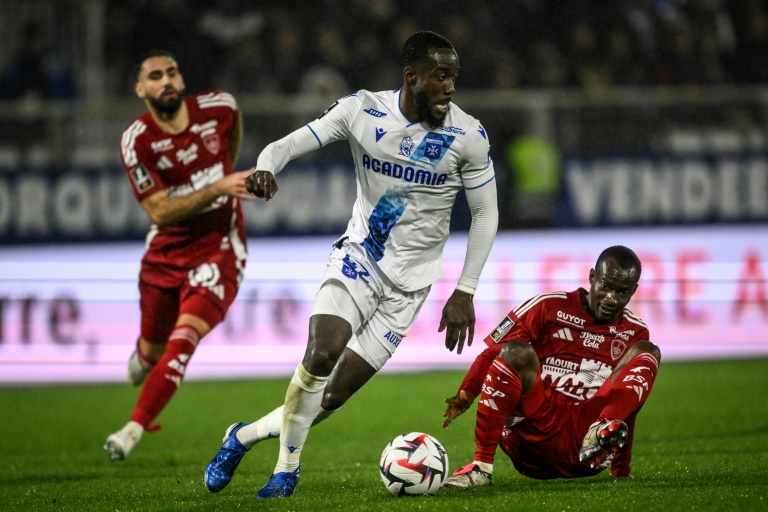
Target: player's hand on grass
{"x":261,"y":184}
{"x":457,"y":405}
{"x":459,"y":320}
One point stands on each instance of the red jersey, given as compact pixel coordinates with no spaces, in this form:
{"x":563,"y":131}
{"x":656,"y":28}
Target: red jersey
{"x":576,"y":354}
{"x":182,"y":164}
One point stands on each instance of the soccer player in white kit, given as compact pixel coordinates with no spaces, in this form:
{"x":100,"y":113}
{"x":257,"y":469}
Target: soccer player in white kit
{"x":413,"y":152}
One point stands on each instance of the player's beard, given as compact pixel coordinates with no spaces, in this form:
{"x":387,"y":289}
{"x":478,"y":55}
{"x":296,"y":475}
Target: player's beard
{"x":425,"y":112}
{"x":167,"y":108}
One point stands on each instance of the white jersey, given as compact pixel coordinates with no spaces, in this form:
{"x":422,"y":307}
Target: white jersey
{"x":408,"y":175}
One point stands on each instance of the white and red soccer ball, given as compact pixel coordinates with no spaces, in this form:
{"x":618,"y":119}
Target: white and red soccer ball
{"x":413,"y":464}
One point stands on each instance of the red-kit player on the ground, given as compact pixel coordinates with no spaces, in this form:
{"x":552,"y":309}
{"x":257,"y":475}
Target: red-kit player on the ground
{"x":179,"y":157}
{"x":562,"y":381}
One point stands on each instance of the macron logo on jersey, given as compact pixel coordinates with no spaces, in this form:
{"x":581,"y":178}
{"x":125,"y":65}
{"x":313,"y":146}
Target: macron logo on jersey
{"x":380,"y":132}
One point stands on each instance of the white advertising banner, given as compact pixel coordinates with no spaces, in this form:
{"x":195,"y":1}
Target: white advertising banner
{"x":70,"y":313}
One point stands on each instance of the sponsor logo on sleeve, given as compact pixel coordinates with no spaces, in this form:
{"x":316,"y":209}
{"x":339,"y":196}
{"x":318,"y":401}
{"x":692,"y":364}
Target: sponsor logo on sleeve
{"x":502,"y":329}
{"x":141,"y":178}
{"x":328,"y":109}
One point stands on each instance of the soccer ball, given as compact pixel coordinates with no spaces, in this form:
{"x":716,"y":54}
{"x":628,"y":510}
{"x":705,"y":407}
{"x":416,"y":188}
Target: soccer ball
{"x":413,"y":463}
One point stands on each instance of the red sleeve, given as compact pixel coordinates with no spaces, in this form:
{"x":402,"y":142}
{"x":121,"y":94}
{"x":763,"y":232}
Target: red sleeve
{"x":620,"y":464}
{"x":473,"y":381}
{"x":139,"y":166}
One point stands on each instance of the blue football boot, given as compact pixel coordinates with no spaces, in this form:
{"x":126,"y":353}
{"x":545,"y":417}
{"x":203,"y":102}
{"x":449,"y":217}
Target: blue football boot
{"x":280,"y":485}
{"x":221,"y":469}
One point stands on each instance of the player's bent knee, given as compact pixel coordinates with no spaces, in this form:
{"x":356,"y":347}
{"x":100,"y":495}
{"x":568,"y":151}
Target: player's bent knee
{"x":320,"y":361}
{"x":319,"y":365}
{"x":518,"y":353}
{"x":522,"y":357}
{"x":334,"y":398}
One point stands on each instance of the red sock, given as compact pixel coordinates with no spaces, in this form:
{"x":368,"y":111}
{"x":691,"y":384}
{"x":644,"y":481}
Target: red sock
{"x":501,"y":393}
{"x":166,"y":376}
{"x":631,"y":387}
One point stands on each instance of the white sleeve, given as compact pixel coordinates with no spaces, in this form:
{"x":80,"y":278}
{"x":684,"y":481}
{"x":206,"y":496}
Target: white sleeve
{"x":332,"y":125}
{"x":277,"y":154}
{"x":482,"y":232}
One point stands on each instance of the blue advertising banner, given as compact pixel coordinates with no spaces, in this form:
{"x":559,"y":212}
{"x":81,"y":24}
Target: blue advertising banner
{"x":96,"y":204}
{"x":658,"y":189}
{"x":67,"y":205}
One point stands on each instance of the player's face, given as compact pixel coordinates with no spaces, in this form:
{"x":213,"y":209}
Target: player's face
{"x":435,"y":83}
{"x":611,"y":288}
{"x":161,"y":85}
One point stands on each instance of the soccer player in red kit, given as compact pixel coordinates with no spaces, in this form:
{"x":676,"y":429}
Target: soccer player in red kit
{"x":179,"y":158}
{"x":562,"y":380}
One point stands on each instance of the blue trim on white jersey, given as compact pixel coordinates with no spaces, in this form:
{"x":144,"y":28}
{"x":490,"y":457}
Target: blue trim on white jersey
{"x":313,"y":133}
{"x":482,"y":184}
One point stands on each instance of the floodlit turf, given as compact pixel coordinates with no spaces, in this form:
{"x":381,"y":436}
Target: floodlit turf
{"x":701,"y":444}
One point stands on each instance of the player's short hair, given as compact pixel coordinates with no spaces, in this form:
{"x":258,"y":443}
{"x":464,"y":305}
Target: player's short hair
{"x":624,"y":257}
{"x":136,"y":72}
{"x":416,"y":47}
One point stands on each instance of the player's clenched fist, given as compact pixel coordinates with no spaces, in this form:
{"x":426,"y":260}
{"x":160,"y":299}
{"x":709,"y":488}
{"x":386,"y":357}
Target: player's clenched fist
{"x":261,"y":184}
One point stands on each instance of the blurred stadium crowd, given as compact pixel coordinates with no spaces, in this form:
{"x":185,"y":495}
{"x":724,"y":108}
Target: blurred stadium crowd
{"x":267,"y":47}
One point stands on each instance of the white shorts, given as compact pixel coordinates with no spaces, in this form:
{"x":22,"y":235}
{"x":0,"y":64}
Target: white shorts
{"x":354,"y":288}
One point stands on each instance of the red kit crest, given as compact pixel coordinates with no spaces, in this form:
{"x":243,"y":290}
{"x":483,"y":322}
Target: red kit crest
{"x":617,"y":349}
{"x":212,"y":143}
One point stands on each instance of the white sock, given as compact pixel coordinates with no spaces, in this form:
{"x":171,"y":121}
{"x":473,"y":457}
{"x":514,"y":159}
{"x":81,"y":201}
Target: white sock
{"x":323,"y":415}
{"x":266,"y":427}
{"x":302,"y":404}
{"x":269,"y":426}
{"x":130,"y":435}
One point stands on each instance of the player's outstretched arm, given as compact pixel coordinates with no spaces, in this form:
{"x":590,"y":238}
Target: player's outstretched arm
{"x":164,"y":210}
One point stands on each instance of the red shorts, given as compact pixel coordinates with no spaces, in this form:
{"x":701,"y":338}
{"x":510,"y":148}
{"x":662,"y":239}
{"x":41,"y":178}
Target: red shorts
{"x":546,"y":443}
{"x":205,"y":291}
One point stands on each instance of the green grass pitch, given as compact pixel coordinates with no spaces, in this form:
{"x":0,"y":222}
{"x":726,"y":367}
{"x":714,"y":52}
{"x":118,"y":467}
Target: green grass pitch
{"x":701,"y":444}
